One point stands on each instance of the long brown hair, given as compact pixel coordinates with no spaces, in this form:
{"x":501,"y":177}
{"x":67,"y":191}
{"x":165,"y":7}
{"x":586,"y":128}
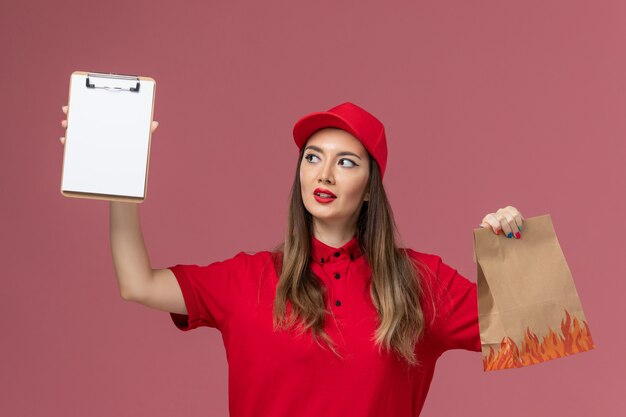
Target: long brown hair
{"x":395,"y":286}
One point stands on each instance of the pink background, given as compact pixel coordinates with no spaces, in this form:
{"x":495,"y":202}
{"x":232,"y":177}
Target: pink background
{"x":486,"y":104}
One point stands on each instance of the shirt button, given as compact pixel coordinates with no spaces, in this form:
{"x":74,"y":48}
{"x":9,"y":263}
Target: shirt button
{"x":337,"y":254}
{"x":351,"y":257}
{"x":322,"y":260}
{"x":337,"y":275}
{"x":337,"y":303}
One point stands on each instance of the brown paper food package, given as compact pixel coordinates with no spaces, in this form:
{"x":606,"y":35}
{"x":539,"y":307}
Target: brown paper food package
{"x":528,"y":307}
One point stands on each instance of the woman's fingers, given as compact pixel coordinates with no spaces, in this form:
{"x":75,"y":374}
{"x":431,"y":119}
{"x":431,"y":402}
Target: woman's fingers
{"x":63,"y":124}
{"x":514,"y":221}
{"x":508,"y":220}
{"x":519,"y":219}
{"x":490,"y":220}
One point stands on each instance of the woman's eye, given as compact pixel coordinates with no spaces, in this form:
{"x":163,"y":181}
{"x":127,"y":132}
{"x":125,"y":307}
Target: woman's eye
{"x":309,"y":155}
{"x":349,"y":166}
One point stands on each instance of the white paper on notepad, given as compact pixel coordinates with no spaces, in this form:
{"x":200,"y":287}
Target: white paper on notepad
{"x":108,"y":135}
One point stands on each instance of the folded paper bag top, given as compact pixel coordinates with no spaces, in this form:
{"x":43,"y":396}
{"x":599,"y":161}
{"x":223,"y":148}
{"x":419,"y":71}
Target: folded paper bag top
{"x":528,"y":307}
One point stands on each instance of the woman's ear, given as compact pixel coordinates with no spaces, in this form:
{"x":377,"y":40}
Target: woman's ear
{"x":367,"y":197}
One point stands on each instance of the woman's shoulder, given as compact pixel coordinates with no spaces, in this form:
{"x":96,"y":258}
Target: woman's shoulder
{"x":430,"y":259}
{"x":255,"y":260}
{"x":429,"y":265}
{"x":254,"y":256}
{"x":438,"y":272}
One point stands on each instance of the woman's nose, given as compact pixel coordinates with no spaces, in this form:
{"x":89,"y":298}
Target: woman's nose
{"x":325,"y":174}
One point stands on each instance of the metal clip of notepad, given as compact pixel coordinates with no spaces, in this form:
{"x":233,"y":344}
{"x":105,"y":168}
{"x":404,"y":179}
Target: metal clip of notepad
{"x":115,"y":83}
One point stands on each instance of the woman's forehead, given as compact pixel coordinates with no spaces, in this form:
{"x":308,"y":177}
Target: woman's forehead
{"x":333,"y":139}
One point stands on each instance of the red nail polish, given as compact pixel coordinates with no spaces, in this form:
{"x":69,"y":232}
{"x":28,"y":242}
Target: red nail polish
{"x":498,"y":231}
{"x":518,"y":235}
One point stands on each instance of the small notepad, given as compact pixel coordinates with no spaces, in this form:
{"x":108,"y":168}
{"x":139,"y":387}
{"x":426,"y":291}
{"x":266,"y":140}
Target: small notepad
{"x":107,"y":144}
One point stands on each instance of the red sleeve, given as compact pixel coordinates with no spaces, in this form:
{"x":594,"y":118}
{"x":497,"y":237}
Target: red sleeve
{"x":455,"y":299}
{"x":210,"y":292}
{"x":456,"y":324}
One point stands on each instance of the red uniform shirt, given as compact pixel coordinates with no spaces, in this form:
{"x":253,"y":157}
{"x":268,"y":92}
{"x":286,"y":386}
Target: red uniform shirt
{"x":281,"y":374}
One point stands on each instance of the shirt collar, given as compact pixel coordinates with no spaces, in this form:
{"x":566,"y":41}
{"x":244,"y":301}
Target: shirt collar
{"x":322,"y":253}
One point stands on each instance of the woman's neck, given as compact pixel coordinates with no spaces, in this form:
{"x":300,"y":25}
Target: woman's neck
{"x":332,"y":235}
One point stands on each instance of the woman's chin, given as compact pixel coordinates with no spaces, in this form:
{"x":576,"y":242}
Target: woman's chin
{"x":322,"y":214}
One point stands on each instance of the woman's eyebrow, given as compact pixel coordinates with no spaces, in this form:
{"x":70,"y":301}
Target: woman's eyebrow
{"x":315,"y":148}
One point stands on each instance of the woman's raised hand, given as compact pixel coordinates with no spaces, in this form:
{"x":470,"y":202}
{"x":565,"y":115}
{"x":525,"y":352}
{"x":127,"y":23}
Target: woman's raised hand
{"x":154,"y":126}
{"x":507,"y":219}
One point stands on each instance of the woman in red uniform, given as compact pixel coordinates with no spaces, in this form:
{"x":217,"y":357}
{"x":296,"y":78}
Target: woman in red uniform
{"x":337,"y":320}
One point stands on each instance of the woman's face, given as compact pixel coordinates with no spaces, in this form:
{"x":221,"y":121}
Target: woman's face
{"x":336,"y":161}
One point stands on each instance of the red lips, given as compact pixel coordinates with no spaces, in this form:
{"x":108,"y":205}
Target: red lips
{"x":325,"y":191}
